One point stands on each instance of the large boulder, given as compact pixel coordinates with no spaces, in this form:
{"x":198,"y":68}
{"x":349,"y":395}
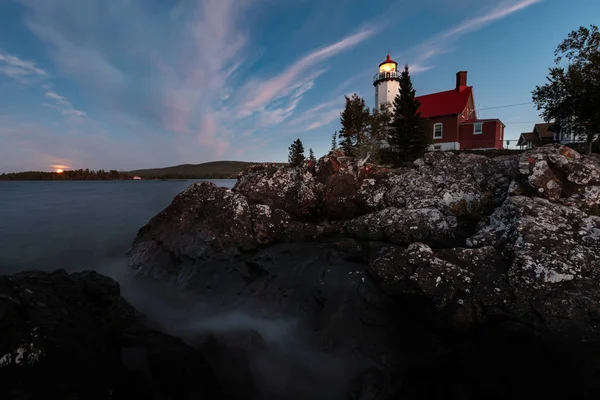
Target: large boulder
{"x":294,"y":190}
{"x":408,"y":276}
{"x":405,"y":226}
{"x":560,"y":174}
{"x":536,"y":262}
{"x":74,"y":336}
{"x":205,"y":222}
{"x":295,"y":321}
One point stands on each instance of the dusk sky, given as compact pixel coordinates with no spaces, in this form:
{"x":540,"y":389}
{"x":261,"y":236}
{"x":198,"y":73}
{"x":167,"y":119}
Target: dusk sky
{"x":126,"y":84}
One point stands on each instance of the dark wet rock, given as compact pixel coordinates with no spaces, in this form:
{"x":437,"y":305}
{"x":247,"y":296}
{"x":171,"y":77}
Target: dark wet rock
{"x":536,"y":263}
{"x":295,"y":320}
{"x":74,"y":336}
{"x":231,"y":355}
{"x":410,"y":277}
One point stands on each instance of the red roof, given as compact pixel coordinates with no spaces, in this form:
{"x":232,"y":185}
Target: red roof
{"x":388,"y":60}
{"x":449,"y":102}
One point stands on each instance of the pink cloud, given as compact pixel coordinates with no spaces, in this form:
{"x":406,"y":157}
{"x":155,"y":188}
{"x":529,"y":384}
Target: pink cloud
{"x":284,"y":83}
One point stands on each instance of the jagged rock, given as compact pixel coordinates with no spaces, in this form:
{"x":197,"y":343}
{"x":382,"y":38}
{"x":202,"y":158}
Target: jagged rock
{"x":293,"y":190}
{"x":536,"y":261}
{"x":560,"y":174}
{"x":206,"y":221}
{"x":405,"y":226}
{"x":479,"y":247}
{"x":320,"y":318}
{"x":74,"y":336}
{"x":338,"y":188}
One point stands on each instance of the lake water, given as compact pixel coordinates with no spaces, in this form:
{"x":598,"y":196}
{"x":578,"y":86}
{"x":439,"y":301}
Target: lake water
{"x":77,"y":225}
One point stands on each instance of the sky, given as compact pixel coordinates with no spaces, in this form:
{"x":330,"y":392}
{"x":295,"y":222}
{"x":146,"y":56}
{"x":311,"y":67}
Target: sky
{"x":127,"y":84}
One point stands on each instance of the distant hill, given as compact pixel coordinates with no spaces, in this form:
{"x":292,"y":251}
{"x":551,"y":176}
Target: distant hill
{"x":209,"y":170}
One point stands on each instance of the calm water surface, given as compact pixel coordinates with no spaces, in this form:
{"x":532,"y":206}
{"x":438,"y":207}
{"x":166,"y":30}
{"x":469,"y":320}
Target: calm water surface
{"x":76,"y":225}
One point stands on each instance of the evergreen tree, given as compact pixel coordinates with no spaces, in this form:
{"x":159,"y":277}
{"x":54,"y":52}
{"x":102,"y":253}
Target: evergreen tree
{"x":334,"y":141}
{"x":380,"y":123}
{"x":296,"y":155}
{"x":408,"y":137}
{"x":311,"y":155}
{"x":355,"y":120}
{"x":378,"y":134}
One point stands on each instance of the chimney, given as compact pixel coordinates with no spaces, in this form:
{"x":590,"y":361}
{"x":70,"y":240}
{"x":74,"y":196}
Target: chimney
{"x":461,"y":79}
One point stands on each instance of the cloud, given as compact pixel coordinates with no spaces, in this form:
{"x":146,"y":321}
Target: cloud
{"x":502,"y":10}
{"x":62,"y":105}
{"x":320,"y":115}
{"x":149,"y":71}
{"x":18,"y":69}
{"x":28,"y":145}
{"x":27,"y":72}
{"x":190,"y":74}
{"x":441,"y":43}
{"x":59,"y":166}
{"x":290,"y":80}
{"x":275,"y":100}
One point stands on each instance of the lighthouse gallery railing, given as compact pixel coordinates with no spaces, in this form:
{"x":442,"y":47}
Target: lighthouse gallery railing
{"x":386,"y":75}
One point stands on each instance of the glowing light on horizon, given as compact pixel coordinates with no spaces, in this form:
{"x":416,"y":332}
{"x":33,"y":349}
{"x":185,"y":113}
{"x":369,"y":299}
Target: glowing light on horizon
{"x":59,"y":168}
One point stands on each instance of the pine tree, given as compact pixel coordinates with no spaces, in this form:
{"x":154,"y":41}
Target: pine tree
{"x":380,"y":123}
{"x":334,"y":141}
{"x":378,"y":134}
{"x":311,"y":155}
{"x":355,"y":120}
{"x":296,"y":155}
{"x":408,"y":137}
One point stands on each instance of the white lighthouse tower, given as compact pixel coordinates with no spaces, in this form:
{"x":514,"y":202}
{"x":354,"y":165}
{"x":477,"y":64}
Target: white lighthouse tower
{"x":387,"y":83}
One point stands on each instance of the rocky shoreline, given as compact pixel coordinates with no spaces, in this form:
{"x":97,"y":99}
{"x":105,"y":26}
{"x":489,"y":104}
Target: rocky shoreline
{"x":464,"y":277}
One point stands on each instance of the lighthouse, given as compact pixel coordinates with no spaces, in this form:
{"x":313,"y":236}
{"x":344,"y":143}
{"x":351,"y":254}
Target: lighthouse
{"x":386,"y":82}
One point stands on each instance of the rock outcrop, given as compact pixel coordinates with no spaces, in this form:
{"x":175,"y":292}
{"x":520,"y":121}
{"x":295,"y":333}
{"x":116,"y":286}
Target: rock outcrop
{"x":74,"y":337}
{"x":445,"y":257}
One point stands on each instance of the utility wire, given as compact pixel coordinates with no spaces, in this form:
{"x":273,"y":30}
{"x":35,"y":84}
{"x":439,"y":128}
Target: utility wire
{"x":525,"y":122}
{"x":508,"y":105}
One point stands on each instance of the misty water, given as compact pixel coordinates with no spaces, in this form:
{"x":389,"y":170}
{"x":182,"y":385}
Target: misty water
{"x":90,"y":225}
{"x":77,"y":225}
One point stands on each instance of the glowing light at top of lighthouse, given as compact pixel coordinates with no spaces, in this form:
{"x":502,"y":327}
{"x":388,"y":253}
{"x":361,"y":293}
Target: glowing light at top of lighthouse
{"x":388,"y":65}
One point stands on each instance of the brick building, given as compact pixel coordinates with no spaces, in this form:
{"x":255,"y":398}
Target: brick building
{"x":451,"y":114}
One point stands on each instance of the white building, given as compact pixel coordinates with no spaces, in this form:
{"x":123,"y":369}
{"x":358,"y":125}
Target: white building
{"x":387,"y":83}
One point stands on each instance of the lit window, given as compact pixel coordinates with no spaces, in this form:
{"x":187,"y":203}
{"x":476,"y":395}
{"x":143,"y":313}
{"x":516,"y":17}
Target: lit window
{"x":477,"y":128}
{"x":437,"y":131}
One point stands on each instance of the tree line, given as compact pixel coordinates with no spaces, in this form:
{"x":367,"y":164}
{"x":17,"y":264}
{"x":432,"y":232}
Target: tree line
{"x":571,"y":97}
{"x":69,"y":175}
{"x":392,"y":135}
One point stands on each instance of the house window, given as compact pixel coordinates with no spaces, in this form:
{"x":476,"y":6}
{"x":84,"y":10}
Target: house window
{"x":438,"y":130}
{"x":437,"y":147}
{"x":477,"y":128}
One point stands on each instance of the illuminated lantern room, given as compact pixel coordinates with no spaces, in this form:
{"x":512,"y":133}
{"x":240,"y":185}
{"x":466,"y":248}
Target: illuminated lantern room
{"x":388,"y":65}
{"x":387,"y":83}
